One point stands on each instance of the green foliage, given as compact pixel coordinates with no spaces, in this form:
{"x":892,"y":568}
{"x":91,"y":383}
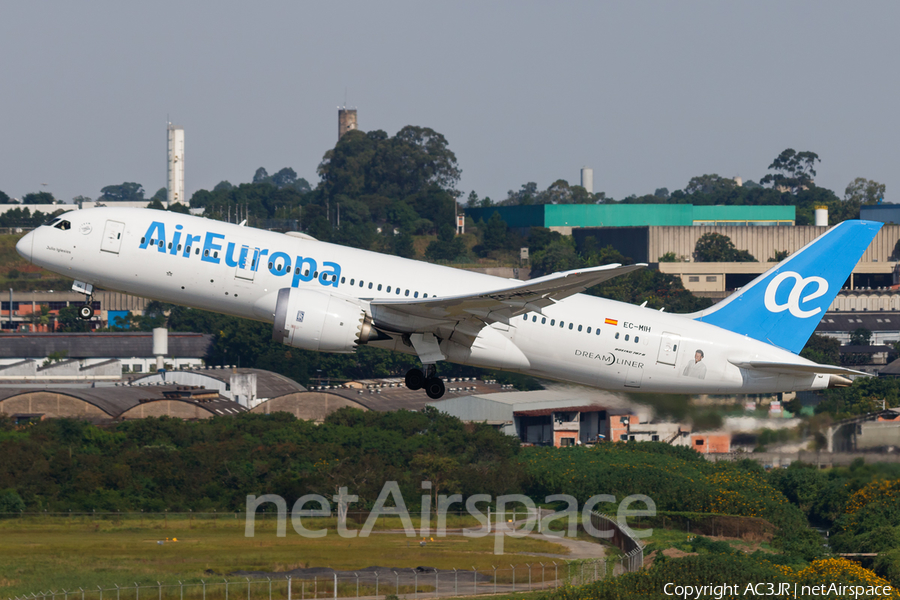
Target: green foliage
{"x":125,"y":192}
{"x":4,"y":199}
{"x":676,"y":478}
{"x":11,"y":502}
{"x":448,"y":247}
{"x":865,"y":395}
{"x":794,"y":170}
{"x":668,"y":257}
{"x":779,"y":256}
{"x":860,"y":337}
{"x":822,"y":349}
{"x":38,"y":198}
{"x":715,"y":247}
{"x":23,"y":217}
{"x":709,"y":184}
{"x":864,"y":191}
{"x":156,"y":464}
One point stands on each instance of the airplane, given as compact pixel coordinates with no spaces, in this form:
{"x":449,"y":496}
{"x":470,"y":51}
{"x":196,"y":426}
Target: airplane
{"x":330,"y":298}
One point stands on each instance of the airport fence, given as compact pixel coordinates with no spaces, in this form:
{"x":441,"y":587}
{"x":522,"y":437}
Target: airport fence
{"x":371,"y":583}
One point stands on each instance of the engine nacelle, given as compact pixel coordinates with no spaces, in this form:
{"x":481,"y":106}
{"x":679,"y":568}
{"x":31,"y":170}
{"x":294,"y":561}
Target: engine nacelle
{"x":320,"y":321}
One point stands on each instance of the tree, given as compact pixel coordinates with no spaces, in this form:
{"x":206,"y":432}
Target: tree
{"x":864,"y":191}
{"x":38,"y":198}
{"x":860,"y":337}
{"x":496,"y":234}
{"x":795,"y":170}
{"x":223,"y":186}
{"x":156,"y":205}
{"x":708,"y":184}
{"x":662,"y":193}
{"x":126,"y":192}
{"x":68,"y":321}
{"x":162,"y":194}
{"x":448,"y":246}
{"x":260,"y":175}
{"x":779,"y":256}
{"x":4,"y":199}
{"x":715,"y":247}
{"x":822,"y":349}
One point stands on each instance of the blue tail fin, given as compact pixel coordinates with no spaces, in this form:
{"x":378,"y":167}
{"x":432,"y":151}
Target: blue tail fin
{"x":784,"y":305}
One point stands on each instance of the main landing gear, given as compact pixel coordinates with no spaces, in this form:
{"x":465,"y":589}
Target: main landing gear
{"x":434,"y":385}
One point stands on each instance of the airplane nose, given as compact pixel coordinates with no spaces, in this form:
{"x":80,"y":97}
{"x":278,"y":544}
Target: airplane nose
{"x":25,"y":245}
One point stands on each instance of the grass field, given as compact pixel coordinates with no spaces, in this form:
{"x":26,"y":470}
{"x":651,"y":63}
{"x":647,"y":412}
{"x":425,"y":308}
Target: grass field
{"x":57,"y":553}
{"x":20,"y":275}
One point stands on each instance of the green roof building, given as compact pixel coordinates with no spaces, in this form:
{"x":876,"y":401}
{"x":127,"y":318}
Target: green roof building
{"x":565,"y":217}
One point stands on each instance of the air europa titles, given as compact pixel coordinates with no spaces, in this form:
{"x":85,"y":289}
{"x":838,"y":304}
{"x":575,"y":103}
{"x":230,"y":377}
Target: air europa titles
{"x":209,"y":245}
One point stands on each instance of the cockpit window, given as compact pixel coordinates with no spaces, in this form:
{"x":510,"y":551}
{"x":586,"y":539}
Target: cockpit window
{"x":64,"y":225}
{"x":52,"y":221}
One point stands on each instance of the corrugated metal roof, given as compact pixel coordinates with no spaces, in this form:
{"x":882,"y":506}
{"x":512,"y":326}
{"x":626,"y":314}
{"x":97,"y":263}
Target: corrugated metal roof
{"x":847,"y":322}
{"x":101,"y":345}
{"x":268,"y":384}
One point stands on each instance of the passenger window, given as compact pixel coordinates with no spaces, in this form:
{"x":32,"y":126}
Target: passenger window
{"x":626,"y":337}
{"x":552,"y":322}
{"x":571,"y":326}
{"x":526,"y":317}
{"x":579,"y":328}
{"x":388,"y":289}
{"x":543,"y":320}
{"x":270,"y":264}
{"x":306,"y":273}
{"x":216,"y":255}
{"x":562,"y":324}
{"x":416,"y":295}
{"x":297,"y":271}
{"x":588,"y":329}
{"x":161,"y":243}
{"x":170,"y":245}
{"x":361,"y":283}
{"x":534,"y":319}
{"x":617,"y":335}
{"x":379,"y":285}
{"x":424,"y":295}
{"x":142,"y":239}
{"x":179,"y":248}
{"x":343,"y":279}
{"x":352,"y":281}
{"x":316,"y":274}
{"x":397,"y":291}
{"x":206,"y":253}
{"x":598,"y":331}
{"x":370,"y":285}
{"x":636,"y":338}
{"x":406,"y":293}
{"x":197,"y":251}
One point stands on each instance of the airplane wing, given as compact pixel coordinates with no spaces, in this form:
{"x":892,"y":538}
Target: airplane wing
{"x":465,"y":315}
{"x":794,"y":368}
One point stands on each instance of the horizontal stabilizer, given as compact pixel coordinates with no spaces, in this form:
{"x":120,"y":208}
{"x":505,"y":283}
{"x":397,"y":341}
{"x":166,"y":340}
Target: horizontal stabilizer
{"x":794,"y":368}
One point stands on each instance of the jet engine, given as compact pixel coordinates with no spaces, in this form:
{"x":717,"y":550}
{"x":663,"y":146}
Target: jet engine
{"x":321,"y":321}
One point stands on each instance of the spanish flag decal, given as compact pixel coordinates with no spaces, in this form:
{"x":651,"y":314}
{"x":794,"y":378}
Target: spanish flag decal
{"x":611,"y":322}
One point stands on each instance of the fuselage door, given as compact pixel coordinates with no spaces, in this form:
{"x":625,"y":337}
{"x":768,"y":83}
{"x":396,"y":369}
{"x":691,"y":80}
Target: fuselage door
{"x":668,"y":349}
{"x":248,"y":263}
{"x":112,"y":237}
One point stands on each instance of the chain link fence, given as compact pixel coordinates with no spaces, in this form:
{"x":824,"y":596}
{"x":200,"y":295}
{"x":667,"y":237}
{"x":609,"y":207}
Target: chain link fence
{"x":372,"y":583}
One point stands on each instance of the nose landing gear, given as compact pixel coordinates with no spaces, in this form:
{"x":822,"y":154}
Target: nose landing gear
{"x":86,"y":311}
{"x":434,"y":385}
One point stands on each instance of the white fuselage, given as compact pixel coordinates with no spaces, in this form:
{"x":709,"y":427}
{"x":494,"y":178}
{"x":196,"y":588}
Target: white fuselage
{"x":582,"y":339}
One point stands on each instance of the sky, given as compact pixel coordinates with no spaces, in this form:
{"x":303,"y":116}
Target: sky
{"x":647,"y":94}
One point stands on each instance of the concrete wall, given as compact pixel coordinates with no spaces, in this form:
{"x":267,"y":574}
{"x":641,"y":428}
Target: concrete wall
{"x":51,"y":405}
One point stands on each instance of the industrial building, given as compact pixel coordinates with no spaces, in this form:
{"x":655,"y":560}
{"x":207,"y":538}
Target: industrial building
{"x":873,"y":432}
{"x":566,"y":218}
{"x":74,"y":356}
{"x":27,"y":309}
{"x":574,"y":417}
{"x":248,"y":387}
{"x":109,"y":403}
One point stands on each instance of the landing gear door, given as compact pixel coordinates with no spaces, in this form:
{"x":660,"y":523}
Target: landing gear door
{"x":668,"y":349}
{"x":112,"y":237}
{"x":248,"y":263}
